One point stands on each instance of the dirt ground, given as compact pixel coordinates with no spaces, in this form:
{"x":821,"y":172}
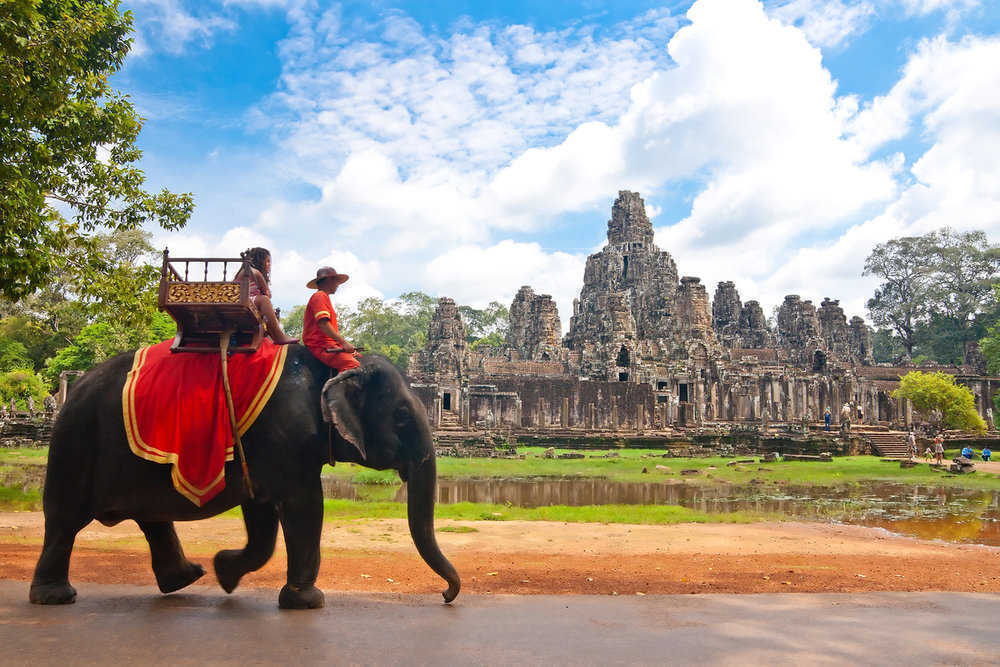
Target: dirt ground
{"x":530,"y":557}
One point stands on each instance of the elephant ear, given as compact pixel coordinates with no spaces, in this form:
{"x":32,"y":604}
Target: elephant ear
{"x":341,"y":403}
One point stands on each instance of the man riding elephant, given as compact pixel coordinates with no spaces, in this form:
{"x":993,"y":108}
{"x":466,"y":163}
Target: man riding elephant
{"x":320,"y":331}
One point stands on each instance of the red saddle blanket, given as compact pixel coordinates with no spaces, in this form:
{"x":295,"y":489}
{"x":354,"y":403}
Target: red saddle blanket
{"x":175,"y":410}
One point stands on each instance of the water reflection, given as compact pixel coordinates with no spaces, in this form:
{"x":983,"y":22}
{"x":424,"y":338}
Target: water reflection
{"x":930,"y":512}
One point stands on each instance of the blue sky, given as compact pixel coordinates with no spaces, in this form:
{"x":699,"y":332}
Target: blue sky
{"x":467,"y":148}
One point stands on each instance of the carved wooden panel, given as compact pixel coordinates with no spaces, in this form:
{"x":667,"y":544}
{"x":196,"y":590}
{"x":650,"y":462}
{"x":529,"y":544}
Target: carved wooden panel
{"x":203,"y":293}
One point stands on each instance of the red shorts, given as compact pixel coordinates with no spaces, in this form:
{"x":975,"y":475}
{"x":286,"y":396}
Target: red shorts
{"x":341,"y":361}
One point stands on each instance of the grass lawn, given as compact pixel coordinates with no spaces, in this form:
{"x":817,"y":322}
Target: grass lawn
{"x":628,"y":466}
{"x":24,"y":455}
{"x":336,"y":510}
{"x":630,"y":463}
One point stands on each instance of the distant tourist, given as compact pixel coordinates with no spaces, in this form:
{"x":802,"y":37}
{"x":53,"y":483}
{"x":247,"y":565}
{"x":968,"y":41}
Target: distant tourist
{"x":939,"y":449}
{"x":968,"y":453}
{"x":987,"y":453}
{"x":913,"y":445}
{"x":826,"y":419}
{"x":928,"y":454}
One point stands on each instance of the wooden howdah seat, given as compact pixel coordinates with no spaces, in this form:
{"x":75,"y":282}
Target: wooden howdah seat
{"x":205,"y":309}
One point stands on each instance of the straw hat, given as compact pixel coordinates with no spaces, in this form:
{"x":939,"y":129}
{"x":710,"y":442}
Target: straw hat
{"x":325,"y":272}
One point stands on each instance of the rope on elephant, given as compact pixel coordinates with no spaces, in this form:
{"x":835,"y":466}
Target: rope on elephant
{"x":224,"y":356}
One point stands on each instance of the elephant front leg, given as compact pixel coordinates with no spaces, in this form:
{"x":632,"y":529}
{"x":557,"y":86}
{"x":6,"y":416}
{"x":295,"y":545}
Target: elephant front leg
{"x":172,"y":568}
{"x":302,"y":524}
{"x":262,"y":531}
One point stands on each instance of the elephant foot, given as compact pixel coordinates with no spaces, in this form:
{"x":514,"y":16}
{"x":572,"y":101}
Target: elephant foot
{"x":178,"y":579}
{"x":61,"y":593}
{"x":293,"y":597}
{"x":228,"y":570}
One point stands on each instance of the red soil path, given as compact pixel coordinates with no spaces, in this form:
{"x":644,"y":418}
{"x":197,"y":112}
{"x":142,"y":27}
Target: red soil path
{"x":524,"y":557}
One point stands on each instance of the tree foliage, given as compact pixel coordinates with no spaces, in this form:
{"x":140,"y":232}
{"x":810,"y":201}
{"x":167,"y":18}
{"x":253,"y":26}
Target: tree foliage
{"x":934,"y":290}
{"x":20,"y":384}
{"x":484,"y":326}
{"x":67,"y":145}
{"x":102,"y":340}
{"x":13,"y":355}
{"x":395,"y":329}
{"x":940,"y":401}
{"x":293,"y":321}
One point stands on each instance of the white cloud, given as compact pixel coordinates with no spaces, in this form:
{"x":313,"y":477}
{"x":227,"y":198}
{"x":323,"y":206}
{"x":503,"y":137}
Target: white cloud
{"x":826,"y":23}
{"x":170,"y":25}
{"x":403,"y":130}
{"x":428,"y":149}
{"x":922,"y":7}
{"x":290,"y":268}
{"x":950,"y":94}
{"x":476,"y":275}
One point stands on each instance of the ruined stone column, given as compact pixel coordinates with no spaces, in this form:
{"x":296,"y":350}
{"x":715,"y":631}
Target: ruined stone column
{"x":614,"y":413}
{"x":542,"y":421}
{"x":640,"y":417}
{"x":466,"y":410}
{"x":564,"y":414}
{"x":591,"y":416}
{"x":908,"y":413}
{"x":699,"y":395}
{"x":437,"y":411}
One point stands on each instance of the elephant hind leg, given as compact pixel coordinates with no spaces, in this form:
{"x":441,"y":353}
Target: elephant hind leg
{"x":50,"y":584}
{"x":172,"y":568}
{"x":261,"y":522}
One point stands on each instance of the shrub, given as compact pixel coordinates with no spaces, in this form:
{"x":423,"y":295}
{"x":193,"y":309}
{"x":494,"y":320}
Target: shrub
{"x":940,"y":401}
{"x":19,"y":384}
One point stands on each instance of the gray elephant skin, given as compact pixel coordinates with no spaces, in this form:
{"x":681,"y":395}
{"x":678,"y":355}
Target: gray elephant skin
{"x":92,"y":474}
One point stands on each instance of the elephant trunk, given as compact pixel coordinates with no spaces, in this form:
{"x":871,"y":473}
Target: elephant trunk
{"x":420,"y":494}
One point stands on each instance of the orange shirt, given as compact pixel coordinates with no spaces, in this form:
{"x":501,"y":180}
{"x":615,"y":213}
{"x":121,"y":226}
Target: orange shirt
{"x":319,"y":308}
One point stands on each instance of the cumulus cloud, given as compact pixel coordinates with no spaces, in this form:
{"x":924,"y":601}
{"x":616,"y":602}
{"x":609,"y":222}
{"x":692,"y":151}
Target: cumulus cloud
{"x":464,"y":271}
{"x":949,"y":95}
{"x":291,"y":269}
{"x":429,"y":152}
{"x":826,"y":23}
{"x":170,"y":25}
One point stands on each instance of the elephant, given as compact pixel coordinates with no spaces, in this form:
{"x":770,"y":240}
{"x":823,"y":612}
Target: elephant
{"x":92,"y":474}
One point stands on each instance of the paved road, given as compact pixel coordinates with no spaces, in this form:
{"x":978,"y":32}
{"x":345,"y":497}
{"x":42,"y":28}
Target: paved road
{"x":135,"y":625}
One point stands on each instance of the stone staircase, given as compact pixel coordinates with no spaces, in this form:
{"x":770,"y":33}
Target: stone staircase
{"x":886,"y":443}
{"x":450,"y":422}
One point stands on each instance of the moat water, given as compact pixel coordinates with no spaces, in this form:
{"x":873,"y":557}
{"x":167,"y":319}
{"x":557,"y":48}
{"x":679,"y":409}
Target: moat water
{"x":928,"y":512}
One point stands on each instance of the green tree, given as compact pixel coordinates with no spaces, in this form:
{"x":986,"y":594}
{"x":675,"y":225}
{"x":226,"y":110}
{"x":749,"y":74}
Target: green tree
{"x":934,"y":290}
{"x":886,"y":347}
{"x":394,"y":329}
{"x":20,"y":384}
{"x":898,"y":303}
{"x":102,"y":340}
{"x":293,"y":321}
{"x":940,"y":401}
{"x":13,"y":355}
{"x":67,"y":145}
{"x":481,"y":325}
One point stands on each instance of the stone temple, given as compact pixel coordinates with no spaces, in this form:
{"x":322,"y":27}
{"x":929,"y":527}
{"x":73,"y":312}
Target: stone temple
{"x":648,"y":349}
